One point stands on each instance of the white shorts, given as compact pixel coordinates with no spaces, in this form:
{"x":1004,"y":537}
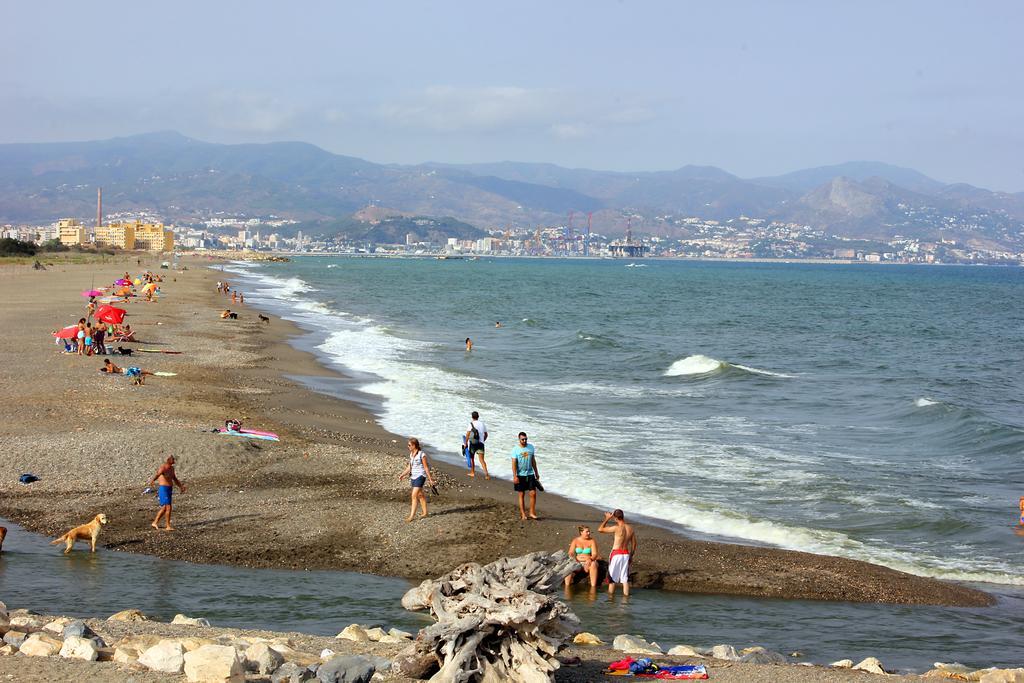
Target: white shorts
{"x":618,"y":568}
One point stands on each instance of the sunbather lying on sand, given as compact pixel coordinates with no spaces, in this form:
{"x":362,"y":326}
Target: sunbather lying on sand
{"x":137,"y":375}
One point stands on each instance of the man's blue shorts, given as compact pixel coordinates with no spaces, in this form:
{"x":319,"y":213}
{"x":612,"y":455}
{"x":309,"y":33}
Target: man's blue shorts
{"x":164,"y":494}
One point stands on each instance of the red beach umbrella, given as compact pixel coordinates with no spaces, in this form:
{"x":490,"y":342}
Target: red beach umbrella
{"x":69,"y":332}
{"x":109,"y":314}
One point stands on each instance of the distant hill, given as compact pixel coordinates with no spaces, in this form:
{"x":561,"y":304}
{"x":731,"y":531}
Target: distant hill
{"x":188,"y":180}
{"x":811,"y":178}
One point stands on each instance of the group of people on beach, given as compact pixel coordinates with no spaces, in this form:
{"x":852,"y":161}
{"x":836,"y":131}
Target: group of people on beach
{"x":526,"y":483}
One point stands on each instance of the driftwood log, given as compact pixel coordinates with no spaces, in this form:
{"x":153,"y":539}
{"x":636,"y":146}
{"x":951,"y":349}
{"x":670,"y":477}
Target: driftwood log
{"x":496,"y":622}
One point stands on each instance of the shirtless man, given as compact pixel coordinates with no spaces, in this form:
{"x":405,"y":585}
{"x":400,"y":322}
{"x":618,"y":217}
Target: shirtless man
{"x":623,"y":549}
{"x":165,"y":480}
{"x":137,"y":375}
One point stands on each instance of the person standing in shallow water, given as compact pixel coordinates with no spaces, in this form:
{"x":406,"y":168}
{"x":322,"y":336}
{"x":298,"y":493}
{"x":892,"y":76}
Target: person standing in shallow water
{"x":623,"y":550}
{"x":469,"y":344}
{"x":418,"y":471}
{"x":475,"y":438}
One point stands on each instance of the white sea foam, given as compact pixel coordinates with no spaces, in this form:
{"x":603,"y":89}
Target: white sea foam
{"x":924,"y":402}
{"x":699,"y":364}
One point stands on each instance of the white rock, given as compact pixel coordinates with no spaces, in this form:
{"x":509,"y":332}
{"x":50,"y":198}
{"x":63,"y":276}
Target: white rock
{"x":388,"y":638}
{"x":189,"y":643}
{"x":727,"y":652}
{"x":126,"y":655}
{"x":32,"y":621}
{"x":167,"y":656}
{"x":354,"y":632}
{"x":262,"y":659}
{"x":214,"y":664}
{"x":326,"y":654}
{"x":998,"y":676}
{"x":842,"y":664}
{"x":40,"y":645}
{"x":684,"y":651}
{"x":399,"y":633}
{"x":375,"y":633}
{"x":869,"y":664}
{"x":585,"y":638}
{"x":128,"y":615}
{"x":635,"y":644}
{"x":57,"y":625}
{"x":189,"y":621}
{"x":7,"y":649}
{"x":79,"y":648}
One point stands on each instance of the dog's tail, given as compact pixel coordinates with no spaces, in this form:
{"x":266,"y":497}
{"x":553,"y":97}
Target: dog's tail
{"x":59,"y":539}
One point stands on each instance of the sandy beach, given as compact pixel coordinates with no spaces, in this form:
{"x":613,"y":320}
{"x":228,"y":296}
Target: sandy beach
{"x":326,"y":496}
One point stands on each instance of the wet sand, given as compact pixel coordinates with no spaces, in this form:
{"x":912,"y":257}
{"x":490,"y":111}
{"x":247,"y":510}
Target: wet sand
{"x":327,"y":495}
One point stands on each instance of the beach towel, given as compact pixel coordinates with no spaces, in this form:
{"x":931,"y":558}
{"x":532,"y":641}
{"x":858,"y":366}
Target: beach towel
{"x":250,"y":434}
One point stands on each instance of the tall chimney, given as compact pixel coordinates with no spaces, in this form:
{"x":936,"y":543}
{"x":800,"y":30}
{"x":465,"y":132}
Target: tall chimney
{"x":99,"y":207}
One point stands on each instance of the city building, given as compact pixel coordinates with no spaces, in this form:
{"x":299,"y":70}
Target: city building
{"x":153,"y":237}
{"x":71,"y":232}
{"x":120,"y":235}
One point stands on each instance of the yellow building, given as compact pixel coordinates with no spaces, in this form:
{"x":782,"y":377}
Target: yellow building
{"x":70,"y":232}
{"x":120,"y":235}
{"x":153,"y":237}
{"x":136,"y":235}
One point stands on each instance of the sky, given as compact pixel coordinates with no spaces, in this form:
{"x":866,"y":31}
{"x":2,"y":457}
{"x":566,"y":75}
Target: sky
{"x":756,"y":88}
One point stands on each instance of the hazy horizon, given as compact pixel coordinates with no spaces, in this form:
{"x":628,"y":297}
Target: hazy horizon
{"x":756,"y":90}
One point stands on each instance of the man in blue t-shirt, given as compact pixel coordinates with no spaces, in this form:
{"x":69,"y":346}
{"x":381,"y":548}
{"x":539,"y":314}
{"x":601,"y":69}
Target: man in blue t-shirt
{"x":525,"y":476}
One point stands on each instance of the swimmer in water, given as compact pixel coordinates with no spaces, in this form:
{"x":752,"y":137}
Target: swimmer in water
{"x":1022,"y":511}
{"x":497,"y":324}
{"x":469,"y":344}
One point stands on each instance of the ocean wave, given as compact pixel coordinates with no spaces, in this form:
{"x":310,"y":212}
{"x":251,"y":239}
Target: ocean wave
{"x":699,"y":364}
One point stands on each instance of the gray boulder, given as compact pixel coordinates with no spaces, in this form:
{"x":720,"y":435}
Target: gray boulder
{"x":15,"y":638}
{"x":346,"y":669}
{"x":78,"y":629}
{"x":763,"y":657}
{"x":290,"y":672}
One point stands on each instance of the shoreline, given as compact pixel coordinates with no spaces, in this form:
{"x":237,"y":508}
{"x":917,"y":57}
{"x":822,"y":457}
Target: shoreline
{"x":326,"y":496}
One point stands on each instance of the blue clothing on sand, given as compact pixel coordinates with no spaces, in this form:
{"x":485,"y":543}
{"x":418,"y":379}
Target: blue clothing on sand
{"x":524,"y":459}
{"x":164,"y":493}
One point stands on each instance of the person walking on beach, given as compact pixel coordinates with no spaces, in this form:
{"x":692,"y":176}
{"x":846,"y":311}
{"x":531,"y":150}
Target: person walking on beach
{"x":475,"y":438}
{"x":623,"y":550}
{"x":418,"y":471}
{"x":525,"y":475}
{"x":165,"y":479}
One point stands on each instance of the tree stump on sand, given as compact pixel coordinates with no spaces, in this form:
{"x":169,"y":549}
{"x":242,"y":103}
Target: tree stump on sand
{"x":497,"y":622}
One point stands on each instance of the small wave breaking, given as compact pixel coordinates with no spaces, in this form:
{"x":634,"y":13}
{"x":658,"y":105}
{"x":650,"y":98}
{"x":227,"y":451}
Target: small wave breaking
{"x":699,"y":364}
{"x":924,"y":402}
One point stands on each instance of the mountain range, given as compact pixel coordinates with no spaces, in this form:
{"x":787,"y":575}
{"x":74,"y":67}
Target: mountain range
{"x":187,"y":180}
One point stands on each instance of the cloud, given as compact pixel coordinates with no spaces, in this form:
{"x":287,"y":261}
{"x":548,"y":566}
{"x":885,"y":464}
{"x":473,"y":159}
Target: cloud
{"x":560,"y":113}
{"x":249,"y":112}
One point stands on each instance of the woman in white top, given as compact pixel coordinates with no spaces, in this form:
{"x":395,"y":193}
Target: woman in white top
{"x":418,"y":471}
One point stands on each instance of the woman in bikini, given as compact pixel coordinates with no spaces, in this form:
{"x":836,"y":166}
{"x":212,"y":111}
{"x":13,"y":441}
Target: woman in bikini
{"x":583,"y":549}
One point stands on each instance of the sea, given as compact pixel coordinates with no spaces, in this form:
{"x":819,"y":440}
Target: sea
{"x":866,"y":411}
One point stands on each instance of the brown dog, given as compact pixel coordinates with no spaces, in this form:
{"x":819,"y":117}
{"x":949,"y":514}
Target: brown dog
{"x":86,"y":532}
{"x":3,"y":535}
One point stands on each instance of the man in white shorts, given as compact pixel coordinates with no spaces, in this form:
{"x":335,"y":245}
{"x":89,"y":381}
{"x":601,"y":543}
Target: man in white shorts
{"x":623,"y":550}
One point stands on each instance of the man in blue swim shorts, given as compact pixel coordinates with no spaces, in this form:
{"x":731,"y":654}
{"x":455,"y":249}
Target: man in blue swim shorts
{"x":165,"y":479}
